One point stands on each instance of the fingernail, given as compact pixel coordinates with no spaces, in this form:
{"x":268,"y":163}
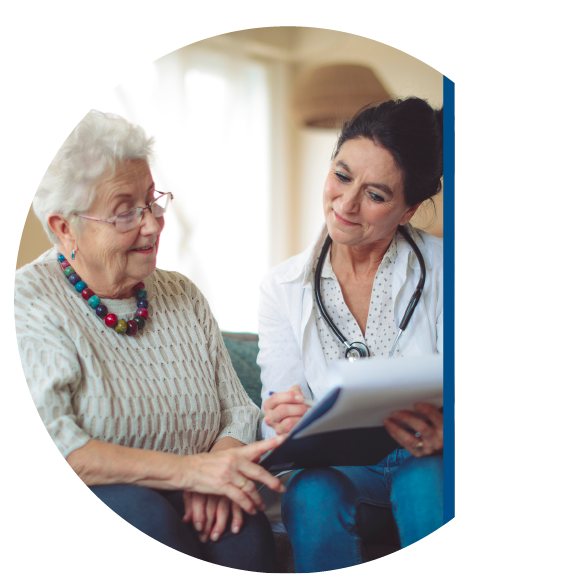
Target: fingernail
{"x":198,"y":526}
{"x":299,"y":398}
{"x":236,"y":529}
{"x":203,"y":538}
{"x":282,"y":488}
{"x":215,"y":537}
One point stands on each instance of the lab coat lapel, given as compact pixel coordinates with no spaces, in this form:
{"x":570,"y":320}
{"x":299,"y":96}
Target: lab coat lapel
{"x":418,"y":338}
{"x":312,"y":355}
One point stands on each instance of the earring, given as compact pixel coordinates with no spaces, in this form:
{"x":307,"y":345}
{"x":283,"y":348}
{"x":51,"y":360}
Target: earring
{"x":73,"y":254}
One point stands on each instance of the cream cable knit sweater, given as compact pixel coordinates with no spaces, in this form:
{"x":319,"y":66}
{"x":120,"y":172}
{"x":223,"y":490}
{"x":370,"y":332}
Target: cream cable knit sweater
{"x":170,"y":388}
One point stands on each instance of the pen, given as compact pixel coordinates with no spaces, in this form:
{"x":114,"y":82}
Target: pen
{"x":307,"y":402}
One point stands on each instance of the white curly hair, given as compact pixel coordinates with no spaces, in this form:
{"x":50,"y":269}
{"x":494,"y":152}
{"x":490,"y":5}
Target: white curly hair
{"x":97,"y":145}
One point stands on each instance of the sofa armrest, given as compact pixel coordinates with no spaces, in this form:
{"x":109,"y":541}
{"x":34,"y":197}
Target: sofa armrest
{"x":243,"y":351}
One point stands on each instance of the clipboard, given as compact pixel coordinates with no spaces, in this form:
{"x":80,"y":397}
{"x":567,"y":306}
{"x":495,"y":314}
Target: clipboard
{"x":345,"y":426}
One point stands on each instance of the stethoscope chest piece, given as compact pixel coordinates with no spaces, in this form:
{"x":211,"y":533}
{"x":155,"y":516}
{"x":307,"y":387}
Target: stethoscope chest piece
{"x":356,"y":351}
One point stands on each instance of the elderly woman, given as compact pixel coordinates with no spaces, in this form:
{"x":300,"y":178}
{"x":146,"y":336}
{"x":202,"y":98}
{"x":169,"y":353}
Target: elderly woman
{"x":126,"y":363}
{"x":387,"y":162}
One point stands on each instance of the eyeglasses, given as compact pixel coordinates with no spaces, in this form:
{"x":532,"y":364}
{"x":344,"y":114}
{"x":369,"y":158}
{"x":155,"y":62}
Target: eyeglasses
{"x":128,"y":220}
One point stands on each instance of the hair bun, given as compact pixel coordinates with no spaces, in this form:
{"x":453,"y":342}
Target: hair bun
{"x":413,"y":133}
{"x":438,"y":113}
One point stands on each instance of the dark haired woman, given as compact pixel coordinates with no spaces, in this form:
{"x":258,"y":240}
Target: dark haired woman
{"x":387,"y":162}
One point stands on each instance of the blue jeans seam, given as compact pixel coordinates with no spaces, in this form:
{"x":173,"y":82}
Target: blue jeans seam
{"x":358,"y":539}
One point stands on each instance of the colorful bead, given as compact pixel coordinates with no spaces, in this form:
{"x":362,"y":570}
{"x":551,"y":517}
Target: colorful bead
{"x":87,"y":293}
{"x":111,"y":320}
{"x":121,"y":327}
{"x":132,"y":327}
{"x":143,"y":313}
{"x":101,"y":311}
{"x":94,"y":301}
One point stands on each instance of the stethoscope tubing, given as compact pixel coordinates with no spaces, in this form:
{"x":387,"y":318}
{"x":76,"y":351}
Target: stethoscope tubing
{"x":318,"y":292}
{"x":408,"y":312}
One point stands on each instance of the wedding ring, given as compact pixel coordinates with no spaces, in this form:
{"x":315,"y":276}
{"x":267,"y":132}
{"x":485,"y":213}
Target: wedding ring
{"x":419,"y":445}
{"x":243,"y":483}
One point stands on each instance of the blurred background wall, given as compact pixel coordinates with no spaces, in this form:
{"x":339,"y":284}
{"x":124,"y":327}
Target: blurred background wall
{"x":247,"y":174}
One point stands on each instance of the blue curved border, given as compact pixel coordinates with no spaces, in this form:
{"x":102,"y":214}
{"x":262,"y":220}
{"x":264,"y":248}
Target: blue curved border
{"x":449,"y":299}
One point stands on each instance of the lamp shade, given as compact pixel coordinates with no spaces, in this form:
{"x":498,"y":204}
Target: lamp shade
{"x":327,"y":96}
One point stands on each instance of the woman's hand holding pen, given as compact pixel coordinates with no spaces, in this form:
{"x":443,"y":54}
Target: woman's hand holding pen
{"x":283,"y":410}
{"x":426,"y":422}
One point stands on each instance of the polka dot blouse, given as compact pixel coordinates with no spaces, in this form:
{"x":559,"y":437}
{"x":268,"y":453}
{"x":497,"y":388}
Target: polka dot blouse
{"x":381,"y":328}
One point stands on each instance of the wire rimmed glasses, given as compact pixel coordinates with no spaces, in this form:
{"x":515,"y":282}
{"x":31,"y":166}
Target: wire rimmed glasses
{"x":128,"y":220}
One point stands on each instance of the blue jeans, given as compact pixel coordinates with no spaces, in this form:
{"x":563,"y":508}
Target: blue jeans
{"x":417,"y":498}
{"x":159,"y":514}
{"x":329,"y":512}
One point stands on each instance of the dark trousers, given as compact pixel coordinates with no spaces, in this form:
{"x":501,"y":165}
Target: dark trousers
{"x":159,"y":514}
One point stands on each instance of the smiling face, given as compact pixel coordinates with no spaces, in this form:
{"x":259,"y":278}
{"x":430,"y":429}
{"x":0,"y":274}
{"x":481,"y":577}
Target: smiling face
{"x":109,"y":261}
{"x":363,"y":197}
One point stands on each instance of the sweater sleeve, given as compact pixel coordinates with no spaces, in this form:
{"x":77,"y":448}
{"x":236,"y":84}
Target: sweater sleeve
{"x":238,"y":414}
{"x":51,"y":367}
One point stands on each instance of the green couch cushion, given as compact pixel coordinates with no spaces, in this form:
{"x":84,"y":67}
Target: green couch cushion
{"x":243,"y":350}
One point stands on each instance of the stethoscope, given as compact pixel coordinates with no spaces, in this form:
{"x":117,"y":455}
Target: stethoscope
{"x":358,"y":350}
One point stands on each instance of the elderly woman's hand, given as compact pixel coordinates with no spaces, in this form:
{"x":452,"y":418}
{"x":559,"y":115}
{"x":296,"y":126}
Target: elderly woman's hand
{"x":209,"y":514}
{"x":284,"y":410}
{"x":429,"y":429}
{"x":232,"y":473}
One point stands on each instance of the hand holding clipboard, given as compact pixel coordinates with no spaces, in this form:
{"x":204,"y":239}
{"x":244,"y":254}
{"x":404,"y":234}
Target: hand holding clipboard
{"x":346,"y":426}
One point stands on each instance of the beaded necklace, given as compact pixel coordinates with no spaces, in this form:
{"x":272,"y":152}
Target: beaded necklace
{"x":130,"y":327}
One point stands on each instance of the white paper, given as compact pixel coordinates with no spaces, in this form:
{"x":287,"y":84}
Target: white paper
{"x":372,"y":389}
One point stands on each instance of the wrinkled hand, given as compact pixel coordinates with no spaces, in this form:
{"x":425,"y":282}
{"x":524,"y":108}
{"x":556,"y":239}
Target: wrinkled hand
{"x":209,"y":514}
{"x":284,"y":410}
{"x":232,"y":473}
{"x":430,"y":429}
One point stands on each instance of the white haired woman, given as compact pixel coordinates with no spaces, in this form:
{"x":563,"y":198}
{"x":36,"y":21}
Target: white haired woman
{"x":126,"y":363}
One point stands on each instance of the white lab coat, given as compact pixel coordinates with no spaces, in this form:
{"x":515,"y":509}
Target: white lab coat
{"x":290,"y":349}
